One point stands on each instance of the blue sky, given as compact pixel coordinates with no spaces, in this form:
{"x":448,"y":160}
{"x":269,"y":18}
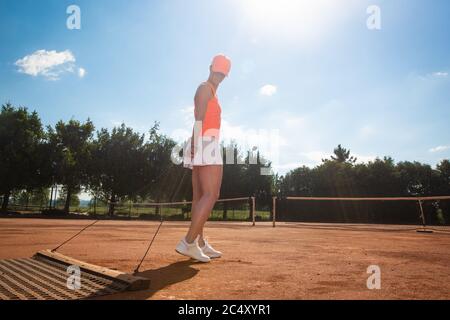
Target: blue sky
{"x":309,"y":72}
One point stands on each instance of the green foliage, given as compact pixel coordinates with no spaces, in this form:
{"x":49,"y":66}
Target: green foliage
{"x":246,"y":179}
{"x":121,"y":165}
{"x":71,"y":153}
{"x":56,"y":213}
{"x":20,"y":135}
{"x":342,"y":155}
{"x":341,"y":176}
{"x":440,"y":216}
{"x":443,"y":169}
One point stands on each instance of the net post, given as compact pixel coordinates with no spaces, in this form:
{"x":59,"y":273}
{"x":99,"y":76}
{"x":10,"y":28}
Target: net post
{"x":130,"y":204}
{"x":253,"y":210}
{"x":422,"y":214}
{"x":424,"y":223}
{"x":274,"y":210}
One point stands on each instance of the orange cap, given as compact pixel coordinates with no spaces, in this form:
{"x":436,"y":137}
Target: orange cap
{"x":222,"y":64}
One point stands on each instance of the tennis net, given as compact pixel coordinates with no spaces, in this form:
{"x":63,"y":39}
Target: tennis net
{"x":424,"y":211}
{"x":233,"y":209}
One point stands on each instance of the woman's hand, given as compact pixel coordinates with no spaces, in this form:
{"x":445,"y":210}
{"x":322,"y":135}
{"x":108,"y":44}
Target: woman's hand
{"x":192,"y":149}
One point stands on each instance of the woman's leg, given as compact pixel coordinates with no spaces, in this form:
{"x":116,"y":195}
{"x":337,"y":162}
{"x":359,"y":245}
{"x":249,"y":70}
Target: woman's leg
{"x":196,"y":190}
{"x":210,"y":178}
{"x":201,"y":241}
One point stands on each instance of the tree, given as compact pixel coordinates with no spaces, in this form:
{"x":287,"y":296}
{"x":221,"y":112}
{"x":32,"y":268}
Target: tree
{"x":416,"y":178}
{"x":261,"y":186}
{"x":297,"y":182}
{"x":342,"y":155}
{"x":117,"y":166}
{"x":71,"y":142}
{"x":20,"y":136}
{"x":378,"y":178}
{"x":443,"y":169}
{"x":163,"y":180}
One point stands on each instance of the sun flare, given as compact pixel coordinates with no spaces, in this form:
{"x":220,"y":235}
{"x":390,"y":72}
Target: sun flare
{"x":301,"y":20}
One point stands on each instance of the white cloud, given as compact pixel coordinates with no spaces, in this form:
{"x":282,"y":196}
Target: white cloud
{"x":314,"y":158}
{"x":182,"y":121}
{"x":294,"y":122}
{"x":440,"y":74}
{"x":367,"y":131}
{"x":268,"y":90}
{"x":187,"y":113}
{"x":81,"y":72}
{"x":49,"y":64}
{"x":282,"y":169}
{"x":362,"y":158}
{"x":430,"y":76}
{"x":187,"y":110}
{"x":439,"y":149}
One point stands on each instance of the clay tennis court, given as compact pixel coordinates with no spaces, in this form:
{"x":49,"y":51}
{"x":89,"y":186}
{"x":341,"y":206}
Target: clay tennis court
{"x":291,"y":261}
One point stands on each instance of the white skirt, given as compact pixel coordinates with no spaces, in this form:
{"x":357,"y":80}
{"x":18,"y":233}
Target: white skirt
{"x":208,"y":153}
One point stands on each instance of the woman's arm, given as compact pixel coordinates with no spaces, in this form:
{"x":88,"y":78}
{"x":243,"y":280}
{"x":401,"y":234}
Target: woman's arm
{"x":202,"y":97}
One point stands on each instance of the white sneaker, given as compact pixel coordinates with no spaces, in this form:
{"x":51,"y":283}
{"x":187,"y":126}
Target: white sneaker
{"x":191,"y":250}
{"x":210,"y":251}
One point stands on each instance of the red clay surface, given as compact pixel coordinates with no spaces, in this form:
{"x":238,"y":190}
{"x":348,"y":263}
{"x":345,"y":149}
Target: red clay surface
{"x":292,"y":261}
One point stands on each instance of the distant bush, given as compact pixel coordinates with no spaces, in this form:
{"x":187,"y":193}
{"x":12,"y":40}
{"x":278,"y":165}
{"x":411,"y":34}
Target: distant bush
{"x":146,"y":216}
{"x":9,"y":213}
{"x":54,"y":213}
{"x":440,"y":216}
{"x":175,"y":217}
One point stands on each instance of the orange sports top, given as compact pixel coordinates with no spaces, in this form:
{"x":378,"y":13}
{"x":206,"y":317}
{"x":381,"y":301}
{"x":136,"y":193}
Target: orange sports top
{"x":212,"y":120}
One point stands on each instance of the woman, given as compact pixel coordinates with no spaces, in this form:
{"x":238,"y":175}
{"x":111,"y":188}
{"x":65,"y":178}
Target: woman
{"x":205,"y":160}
